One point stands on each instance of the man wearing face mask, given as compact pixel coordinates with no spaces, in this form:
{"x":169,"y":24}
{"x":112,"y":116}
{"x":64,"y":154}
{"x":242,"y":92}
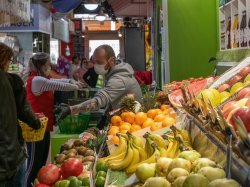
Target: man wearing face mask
{"x":40,"y":87}
{"x":119,"y":81}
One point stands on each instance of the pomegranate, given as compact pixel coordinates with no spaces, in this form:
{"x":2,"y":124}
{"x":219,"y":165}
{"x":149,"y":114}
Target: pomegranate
{"x":48,"y":174}
{"x":71,"y":167}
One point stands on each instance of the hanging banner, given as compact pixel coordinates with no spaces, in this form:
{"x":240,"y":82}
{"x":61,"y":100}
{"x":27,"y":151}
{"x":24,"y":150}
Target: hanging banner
{"x":13,"y":11}
{"x":40,"y":21}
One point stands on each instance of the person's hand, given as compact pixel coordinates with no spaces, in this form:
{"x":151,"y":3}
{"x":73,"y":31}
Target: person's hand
{"x":63,"y":112}
{"x":86,"y":106}
{"x":79,"y":84}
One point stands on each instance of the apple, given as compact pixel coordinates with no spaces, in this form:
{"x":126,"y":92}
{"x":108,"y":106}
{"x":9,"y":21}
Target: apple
{"x":243,"y":93}
{"x":244,"y":115}
{"x":248,"y":102}
{"x":228,"y":108}
{"x":223,"y":87}
{"x":237,"y":86}
{"x":242,"y":102}
{"x":231,"y":113}
{"x":245,"y":71}
{"x":247,"y":78}
{"x":235,"y":79}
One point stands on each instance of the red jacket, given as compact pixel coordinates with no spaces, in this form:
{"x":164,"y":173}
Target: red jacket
{"x":43,"y":103}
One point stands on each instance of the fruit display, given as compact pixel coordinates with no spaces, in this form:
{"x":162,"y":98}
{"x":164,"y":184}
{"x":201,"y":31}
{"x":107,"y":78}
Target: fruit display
{"x":73,"y":166}
{"x":131,"y":122}
{"x":176,"y":96}
{"x":227,"y":89}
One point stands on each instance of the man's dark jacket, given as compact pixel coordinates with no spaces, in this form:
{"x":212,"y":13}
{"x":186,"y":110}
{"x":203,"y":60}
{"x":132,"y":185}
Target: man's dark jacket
{"x":11,"y":153}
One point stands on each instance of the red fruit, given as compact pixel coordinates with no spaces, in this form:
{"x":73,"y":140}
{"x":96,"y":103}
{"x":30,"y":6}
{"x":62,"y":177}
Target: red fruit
{"x":223,"y":87}
{"x":244,"y":115}
{"x":41,"y":185}
{"x":71,"y":167}
{"x":235,"y":79}
{"x":248,"y":103}
{"x":228,"y":108}
{"x":245,"y":71}
{"x":48,"y":174}
{"x":245,"y":92}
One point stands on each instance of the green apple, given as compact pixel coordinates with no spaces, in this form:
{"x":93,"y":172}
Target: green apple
{"x":224,"y":95}
{"x":64,"y":183}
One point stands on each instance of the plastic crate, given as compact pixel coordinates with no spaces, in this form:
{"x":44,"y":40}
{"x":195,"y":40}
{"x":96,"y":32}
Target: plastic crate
{"x":75,"y":124}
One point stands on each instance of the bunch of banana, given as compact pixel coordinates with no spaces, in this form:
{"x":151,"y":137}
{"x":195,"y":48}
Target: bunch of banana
{"x":119,"y":152}
{"x":152,"y":159}
{"x":159,"y":144}
{"x":183,"y":135}
{"x":131,"y":155}
{"x":173,"y":149}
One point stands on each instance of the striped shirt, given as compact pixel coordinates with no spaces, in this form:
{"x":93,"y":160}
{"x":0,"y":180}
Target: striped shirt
{"x":41,"y":84}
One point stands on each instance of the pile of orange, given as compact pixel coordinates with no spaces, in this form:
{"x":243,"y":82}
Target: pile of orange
{"x":131,"y":122}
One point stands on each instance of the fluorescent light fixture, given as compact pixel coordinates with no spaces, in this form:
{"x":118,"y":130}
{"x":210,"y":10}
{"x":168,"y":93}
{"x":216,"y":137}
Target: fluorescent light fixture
{"x":90,"y":6}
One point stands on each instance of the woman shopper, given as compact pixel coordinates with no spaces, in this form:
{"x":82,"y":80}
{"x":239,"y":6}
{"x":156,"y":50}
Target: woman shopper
{"x":12,"y":166}
{"x":40,"y":89}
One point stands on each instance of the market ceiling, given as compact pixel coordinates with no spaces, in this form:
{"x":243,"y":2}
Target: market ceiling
{"x":121,"y":8}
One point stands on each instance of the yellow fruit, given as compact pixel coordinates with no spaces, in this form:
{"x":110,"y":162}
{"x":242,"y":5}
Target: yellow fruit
{"x":135,"y":128}
{"x":128,"y":117}
{"x":116,"y":120}
{"x":168,"y":121}
{"x":159,"y":118}
{"x":148,"y":123}
{"x":152,"y":113}
{"x":156,"y":126}
{"x":140,"y":118}
{"x":164,"y":107}
{"x":115,"y":140}
{"x":113,"y":130}
{"x":125,"y":126}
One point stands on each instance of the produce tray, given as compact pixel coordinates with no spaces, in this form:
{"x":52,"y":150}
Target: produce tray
{"x":230,"y":73}
{"x":240,"y":169}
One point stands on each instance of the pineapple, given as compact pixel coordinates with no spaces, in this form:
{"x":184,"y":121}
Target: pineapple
{"x":128,"y":103}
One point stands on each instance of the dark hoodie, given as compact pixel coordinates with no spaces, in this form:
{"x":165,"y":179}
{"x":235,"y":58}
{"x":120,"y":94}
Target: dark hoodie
{"x":119,"y":81}
{"x":11,"y":153}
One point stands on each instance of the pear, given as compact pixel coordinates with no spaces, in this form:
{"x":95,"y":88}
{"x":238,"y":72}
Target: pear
{"x":212,"y":173}
{"x":195,"y":179}
{"x":223,"y":182}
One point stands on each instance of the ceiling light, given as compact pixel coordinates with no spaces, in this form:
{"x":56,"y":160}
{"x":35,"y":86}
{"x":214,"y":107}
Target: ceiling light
{"x":101,"y":16}
{"x":90,"y":6}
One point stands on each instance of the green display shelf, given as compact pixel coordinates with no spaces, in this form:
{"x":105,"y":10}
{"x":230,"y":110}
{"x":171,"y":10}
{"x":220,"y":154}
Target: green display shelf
{"x":59,"y":139}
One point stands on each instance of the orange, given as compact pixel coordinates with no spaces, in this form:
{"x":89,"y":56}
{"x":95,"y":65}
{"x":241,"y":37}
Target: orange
{"x":115,"y":140}
{"x":140,"y":118}
{"x":152,"y":113}
{"x":135,"y":128}
{"x":168,"y":121}
{"x":116,"y":120}
{"x":172,"y":114}
{"x":166,"y":111}
{"x":113,"y":130}
{"x":156,"y":126}
{"x":125,"y":126}
{"x":164,"y":107}
{"x":159,"y":118}
{"x":124,"y":131}
{"x":147,"y":123}
{"x":158,"y":111}
{"x":129,"y":117}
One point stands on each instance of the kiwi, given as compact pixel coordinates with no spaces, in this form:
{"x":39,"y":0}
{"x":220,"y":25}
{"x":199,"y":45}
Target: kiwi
{"x":65,"y":152}
{"x":72,"y":151}
{"x":70,"y":155}
{"x":78,"y":142}
{"x":89,"y":153}
{"x":80,"y":157}
{"x":82,"y":150}
{"x":88,"y":158}
{"x":59,"y":158}
{"x":66,"y":146}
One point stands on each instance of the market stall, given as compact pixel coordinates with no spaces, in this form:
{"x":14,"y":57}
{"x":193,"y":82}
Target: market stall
{"x":194,"y":133}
